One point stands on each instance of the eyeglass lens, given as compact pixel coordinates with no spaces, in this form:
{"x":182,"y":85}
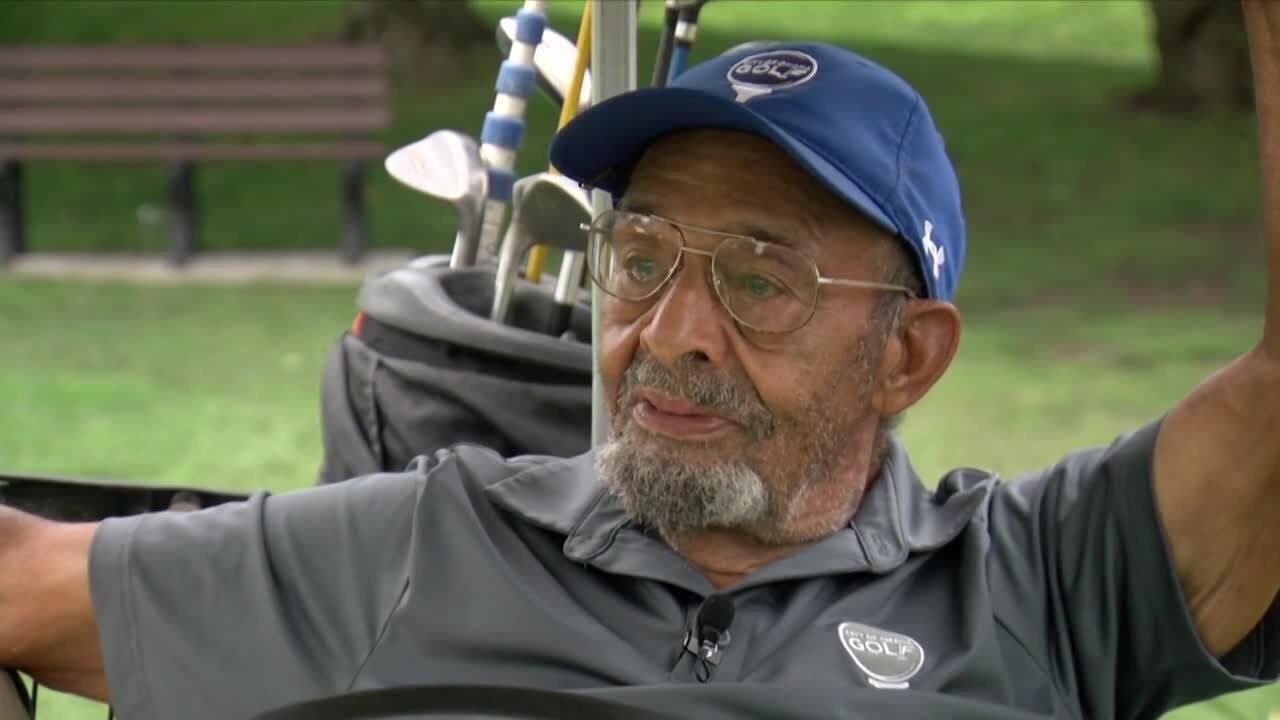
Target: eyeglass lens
{"x":764,"y":286}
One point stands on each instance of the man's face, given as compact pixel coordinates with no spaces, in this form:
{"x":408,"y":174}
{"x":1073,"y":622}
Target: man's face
{"x":713,"y":425}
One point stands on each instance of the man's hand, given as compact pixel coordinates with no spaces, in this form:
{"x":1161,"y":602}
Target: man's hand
{"x":47,"y":627}
{"x":1217,"y":459}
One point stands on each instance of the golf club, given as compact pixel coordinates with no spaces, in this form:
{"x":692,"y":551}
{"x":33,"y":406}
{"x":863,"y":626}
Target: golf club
{"x":503,"y":127}
{"x":686,"y":34}
{"x":549,"y":210}
{"x":571,"y":209}
{"x":554,"y":61}
{"x":662,"y":61}
{"x":446,"y":165}
{"x":514,"y":245}
{"x":582,"y":54}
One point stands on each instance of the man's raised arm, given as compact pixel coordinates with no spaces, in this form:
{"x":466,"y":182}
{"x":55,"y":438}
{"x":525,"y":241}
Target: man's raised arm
{"x":1217,"y":458}
{"x":47,"y":627}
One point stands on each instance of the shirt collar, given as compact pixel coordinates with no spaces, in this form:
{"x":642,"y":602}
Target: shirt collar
{"x":898,"y":516}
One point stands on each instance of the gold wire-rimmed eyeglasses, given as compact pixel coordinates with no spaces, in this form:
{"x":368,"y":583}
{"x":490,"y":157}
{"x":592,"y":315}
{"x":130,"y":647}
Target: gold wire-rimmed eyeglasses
{"x":764,"y":286}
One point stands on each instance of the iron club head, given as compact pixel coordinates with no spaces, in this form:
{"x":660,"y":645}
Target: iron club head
{"x":515,"y":243}
{"x":446,"y":165}
{"x":554,"y":210}
{"x":549,"y":210}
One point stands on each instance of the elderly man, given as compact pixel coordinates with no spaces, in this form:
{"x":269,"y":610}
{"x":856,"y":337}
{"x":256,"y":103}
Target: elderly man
{"x":751,"y":541}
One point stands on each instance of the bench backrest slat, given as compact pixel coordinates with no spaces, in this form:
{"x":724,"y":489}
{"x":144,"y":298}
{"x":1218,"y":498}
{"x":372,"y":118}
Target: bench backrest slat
{"x":154,"y":93}
{"x":139,"y":89}
{"x":107,"y":57}
{"x":328,"y":118}
{"x":157,"y":151}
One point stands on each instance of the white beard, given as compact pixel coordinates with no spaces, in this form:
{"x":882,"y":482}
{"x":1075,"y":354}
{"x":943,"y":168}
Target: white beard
{"x":674,"y":497}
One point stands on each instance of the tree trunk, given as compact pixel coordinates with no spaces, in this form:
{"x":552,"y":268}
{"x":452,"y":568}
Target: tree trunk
{"x":1204,"y":57}
{"x":422,"y":37}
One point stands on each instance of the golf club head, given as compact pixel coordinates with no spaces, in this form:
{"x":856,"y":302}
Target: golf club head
{"x":446,"y":165}
{"x":554,"y":59}
{"x":553,"y":211}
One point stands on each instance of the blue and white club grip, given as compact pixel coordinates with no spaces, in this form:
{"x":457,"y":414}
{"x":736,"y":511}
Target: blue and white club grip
{"x":503,"y":128}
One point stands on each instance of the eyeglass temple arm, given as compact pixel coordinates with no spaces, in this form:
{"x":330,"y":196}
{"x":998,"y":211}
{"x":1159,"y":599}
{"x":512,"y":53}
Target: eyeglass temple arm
{"x":868,"y":285}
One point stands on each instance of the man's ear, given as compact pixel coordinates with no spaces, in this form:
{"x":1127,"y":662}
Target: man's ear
{"x":917,"y":352}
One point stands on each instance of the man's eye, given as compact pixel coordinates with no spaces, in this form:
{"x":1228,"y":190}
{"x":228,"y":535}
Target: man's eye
{"x":759,"y":287}
{"x":642,"y":269}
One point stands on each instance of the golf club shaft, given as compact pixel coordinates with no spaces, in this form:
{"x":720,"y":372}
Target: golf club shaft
{"x":464,"y":253}
{"x":567,"y":286}
{"x":537,"y":256}
{"x":504,"y":125}
{"x":686,"y":34}
{"x":504,"y":279}
{"x":662,"y":61}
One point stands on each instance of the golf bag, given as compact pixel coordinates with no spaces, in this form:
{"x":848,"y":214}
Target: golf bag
{"x":423,"y":367}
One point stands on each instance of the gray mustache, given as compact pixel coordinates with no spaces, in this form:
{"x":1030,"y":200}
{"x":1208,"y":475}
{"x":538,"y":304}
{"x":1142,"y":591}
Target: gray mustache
{"x":691,"y":383}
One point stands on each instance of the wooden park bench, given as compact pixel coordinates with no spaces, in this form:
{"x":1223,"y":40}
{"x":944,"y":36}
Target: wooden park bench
{"x":188,"y":105}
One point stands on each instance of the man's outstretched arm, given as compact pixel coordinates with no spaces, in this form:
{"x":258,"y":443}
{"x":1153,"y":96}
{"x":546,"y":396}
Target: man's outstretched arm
{"x":1217,"y":458}
{"x":47,"y":627}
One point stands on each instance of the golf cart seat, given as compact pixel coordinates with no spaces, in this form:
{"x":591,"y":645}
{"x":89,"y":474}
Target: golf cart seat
{"x":71,"y":500}
{"x":423,"y":368}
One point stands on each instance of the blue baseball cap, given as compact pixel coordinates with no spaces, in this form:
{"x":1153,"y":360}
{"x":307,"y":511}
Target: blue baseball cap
{"x":855,"y":126}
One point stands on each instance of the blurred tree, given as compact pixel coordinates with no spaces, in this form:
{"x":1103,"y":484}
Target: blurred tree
{"x":1204,"y":56}
{"x":422,"y":37}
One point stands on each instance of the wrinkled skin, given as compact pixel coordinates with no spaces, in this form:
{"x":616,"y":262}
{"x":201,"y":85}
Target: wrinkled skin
{"x":739,"y":446}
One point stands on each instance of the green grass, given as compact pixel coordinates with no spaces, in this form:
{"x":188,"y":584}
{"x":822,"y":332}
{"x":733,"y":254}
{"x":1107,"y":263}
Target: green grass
{"x":217,"y":387}
{"x":197,"y":377}
{"x":1113,"y":257}
{"x":1024,"y":93}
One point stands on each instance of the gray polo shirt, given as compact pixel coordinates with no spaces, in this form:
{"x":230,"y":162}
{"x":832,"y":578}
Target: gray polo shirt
{"x":1051,"y":596}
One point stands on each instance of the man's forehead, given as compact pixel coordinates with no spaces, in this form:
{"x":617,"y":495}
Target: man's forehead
{"x":742,"y":177}
{"x":692,"y":153}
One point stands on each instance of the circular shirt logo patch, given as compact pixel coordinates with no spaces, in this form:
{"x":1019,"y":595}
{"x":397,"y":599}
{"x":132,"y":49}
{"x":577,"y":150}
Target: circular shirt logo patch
{"x":762,"y":73}
{"x":888,"y":659}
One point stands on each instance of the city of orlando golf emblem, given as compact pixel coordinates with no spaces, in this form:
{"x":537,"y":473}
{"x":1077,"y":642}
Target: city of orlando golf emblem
{"x":888,"y":659}
{"x":764,"y":72}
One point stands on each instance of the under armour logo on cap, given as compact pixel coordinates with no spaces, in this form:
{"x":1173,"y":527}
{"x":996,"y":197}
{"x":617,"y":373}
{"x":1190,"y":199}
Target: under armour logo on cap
{"x":764,"y":72}
{"x":937,"y":254}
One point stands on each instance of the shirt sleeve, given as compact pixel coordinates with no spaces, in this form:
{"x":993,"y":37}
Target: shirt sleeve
{"x":234,"y":610}
{"x":1082,"y":579}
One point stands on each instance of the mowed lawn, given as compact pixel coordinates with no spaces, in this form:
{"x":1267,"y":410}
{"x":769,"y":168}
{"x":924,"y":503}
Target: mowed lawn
{"x":218,"y":387}
{"x":1114,"y":258}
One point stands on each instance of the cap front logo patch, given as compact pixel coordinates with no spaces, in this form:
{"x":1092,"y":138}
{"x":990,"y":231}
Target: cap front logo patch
{"x":888,"y":659}
{"x":762,"y":73}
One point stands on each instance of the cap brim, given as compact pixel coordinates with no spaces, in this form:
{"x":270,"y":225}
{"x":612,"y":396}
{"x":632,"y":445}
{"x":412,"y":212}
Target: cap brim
{"x":598,"y":146}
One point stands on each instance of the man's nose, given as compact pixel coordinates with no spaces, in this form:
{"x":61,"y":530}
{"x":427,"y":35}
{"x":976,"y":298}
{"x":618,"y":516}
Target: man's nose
{"x":688,"y":318}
